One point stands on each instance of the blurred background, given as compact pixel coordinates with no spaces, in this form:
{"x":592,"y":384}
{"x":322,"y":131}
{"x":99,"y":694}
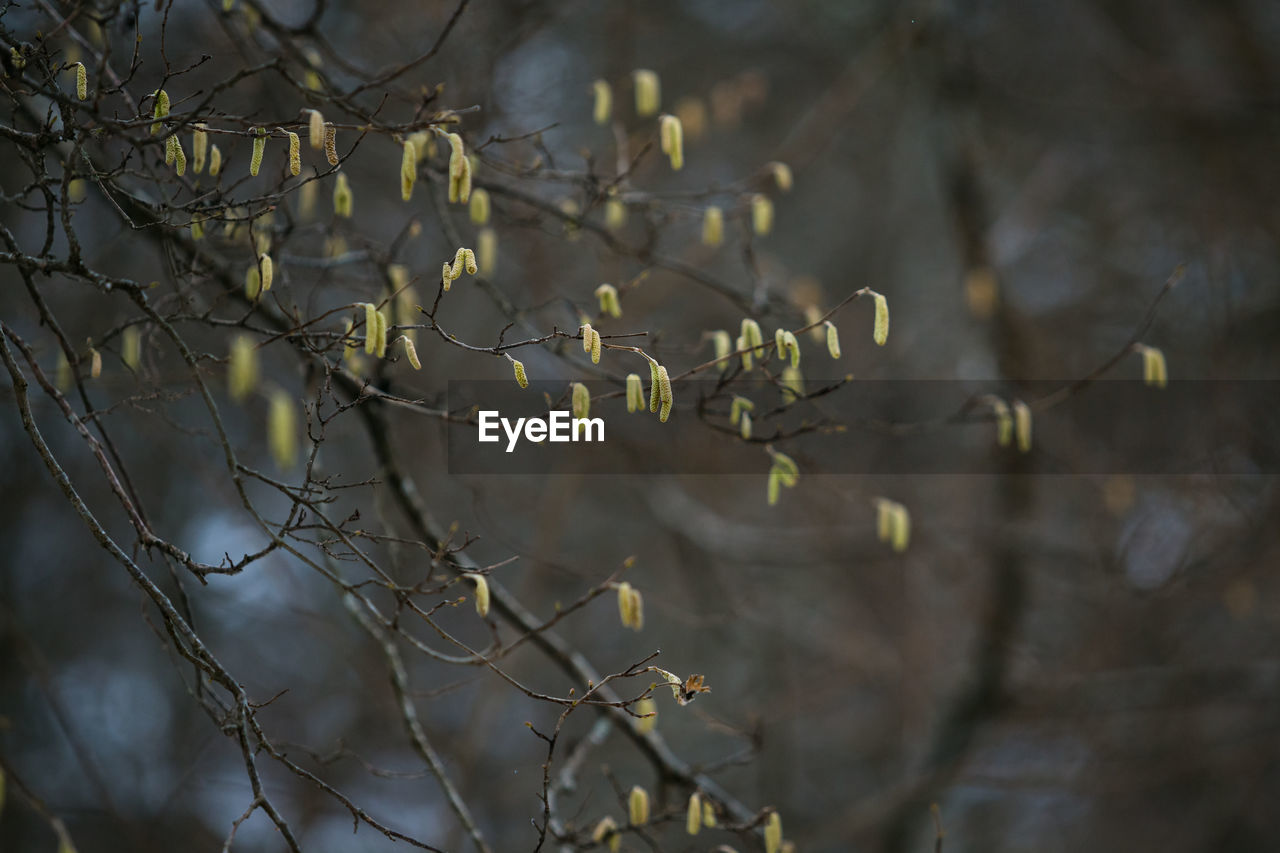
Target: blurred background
{"x":1057,"y":661}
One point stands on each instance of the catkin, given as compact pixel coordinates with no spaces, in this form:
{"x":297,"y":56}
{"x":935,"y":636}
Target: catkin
{"x":606,"y":831}
{"x":672,"y":139}
{"x":773,"y":833}
{"x":708,"y":814}
{"x":457,"y":155}
{"x":160,"y":111}
{"x":295,"y":153}
{"x":655,"y":393}
{"x":712,"y":226}
{"x":792,"y":382}
{"x":131,"y":347}
{"x":482,"y":592}
{"x":880,"y":334}
{"x":1022,"y":425}
{"x":215,"y":161}
{"x":744,"y":427}
{"x":664,"y":394}
{"x":469,"y":262}
{"x":267,"y":269}
{"x":343,"y":200}
{"x":595,"y":347}
{"x":381,"y":349}
{"x":646,"y":715}
{"x":242,"y":368}
{"x":738,"y":407}
{"x":585,"y":331}
{"x":793,"y":347}
{"x":638,"y":806}
{"x":722,"y":344}
{"x":744,"y":346}
{"x":1154,"y":370}
{"x":610,"y":305}
{"x":259,"y":146}
{"x":315,"y":130}
{"x":197,"y":229}
{"x":252,"y":283}
{"x":460,"y":187}
{"x":635,"y":392}
{"x":370,"y":327}
{"x":603,"y":102}
{"x":487,"y":251}
{"x":82,"y":81}
{"x":199,"y":148}
{"x":411,"y":352}
{"x":331,"y":144}
{"x":408,"y":170}
{"x":781,"y":175}
{"x":833,"y":339}
{"x":615,"y":214}
{"x":62,"y":375}
{"x":179,"y":157}
{"x":648,"y":92}
{"x":581,"y":400}
{"x":282,"y":430}
{"x":693,"y":815}
{"x":1004,"y":421}
{"x":761,"y":214}
{"x":446,"y":277}
{"x":521,"y":379}
{"x":779,"y":343}
{"x":479,"y":208}
{"x":95,"y":363}
{"x":752,"y":337}
{"x":169,"y":145}
{"x":625,"y":605}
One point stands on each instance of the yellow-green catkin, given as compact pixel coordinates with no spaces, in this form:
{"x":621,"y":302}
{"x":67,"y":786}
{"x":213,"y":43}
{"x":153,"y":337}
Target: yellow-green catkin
{"x":779,"y":343}
{"x":463,"y":259}
{"x":331,"y":144}
{"x":646,"y":715}
{"x":242,"y":368}
{"x":459,"y":170}
{"x":282,"y":430}
{"x":665,"y":396}
{"x":638,"y":806}
{"x":487,"y":251}
{"x":179,"y":156}
{"x":881,"y":331}
{"x":626,"y":605}
{"x":370,"y":328}
{"x":168,"y":150}
{"x":1154,"y":370}
{"x":603,"y":108}
{"x":259,"y":147}
{"x":781,"y":175}
{"x":343,"y":200}
{"x":635,"y":393}
{"x":655,"y":392}
{"x":315,"y":130}
{"x":199,"y":148}
{"x":408,"y":170}
{"x":252,"y":283}
{"x":610,"y":305}
{"x":295,"y":153}
{"x":160,"y":110}
{"x":615,"y":214}
{"x":722,"y":345}
{"x":380,"y":350}
{"x":761,"y":214}
{"x":671,"y":135}
{"x":712,"y":226}
{"x":479,"y":207}
{"x":743,"y":346}
{"x":752,"y":336}
{"x":1004,"y":421}
{"x":606,"y":832}
{"x":82,"y":81}
{"x":197,"y":229}
{"x":744,"y":427}
{"x":648,"y":90}
{"x":581,"y":400}
{"x":215,"y":161}
{"x":773,"y":833}
{"x":792,"y":383}
{"x":95,"y":362}
{"x":739,"y":407}
{"x":792,"y":346}
{"x":1022,"y":425}
{"x":708,"y":814}
{"x":62,"y":374}
{"x":596,"y":347}
{"x":267,"y":270}
{"x":522,"y":378}
{"x":693,"y":815}
{"x":481,"y":583}
{"x":833,"y":339}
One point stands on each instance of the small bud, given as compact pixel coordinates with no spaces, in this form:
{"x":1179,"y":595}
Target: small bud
{"x":482,"y":592}
{"x":880,"y":334}
{"x":672,"y":140}
{"x":773,"y":833}
{"x":781,"y":175}
{"x":199,"y":148}
{"x":160,"y":111}
{"x":343,"y":200}
{"x":606,"y":831}
{"x":610,"y":305}
{"x":833,"y":339}
{"x":331,"y":144}
{"x":131,"y":347}
{"x":411,"y":352}
{"x":82,"y":81}
{"x":648,"y":92}
{"x":267,"y":269}
{"x":664,"y":391}
{"x":315,"y":130}
{"x":487,"y":251}
{"x":215,"y":161}
{"x":693,"y":816}
{"x":722,"y":345}
{"x":581,"y":400}
{"x":242,"y":368}
{"x":95,"y":363}
{"x":1154,"y":371}
{"x":521,"y":379}
{"x":282,"y":430}
{"x":761,"y":214}
{"x":635,"y":393}
{"x":638,"y":806}
{"x":647,"y":716}
{"x":712,"y":226}
{"x":408,"y":170}
{"x":259,"y":146}
{"x":479,"y":208}
{"x":604,"y":102}
{"x":1022,"y":425}
{"x":615,"y":214}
